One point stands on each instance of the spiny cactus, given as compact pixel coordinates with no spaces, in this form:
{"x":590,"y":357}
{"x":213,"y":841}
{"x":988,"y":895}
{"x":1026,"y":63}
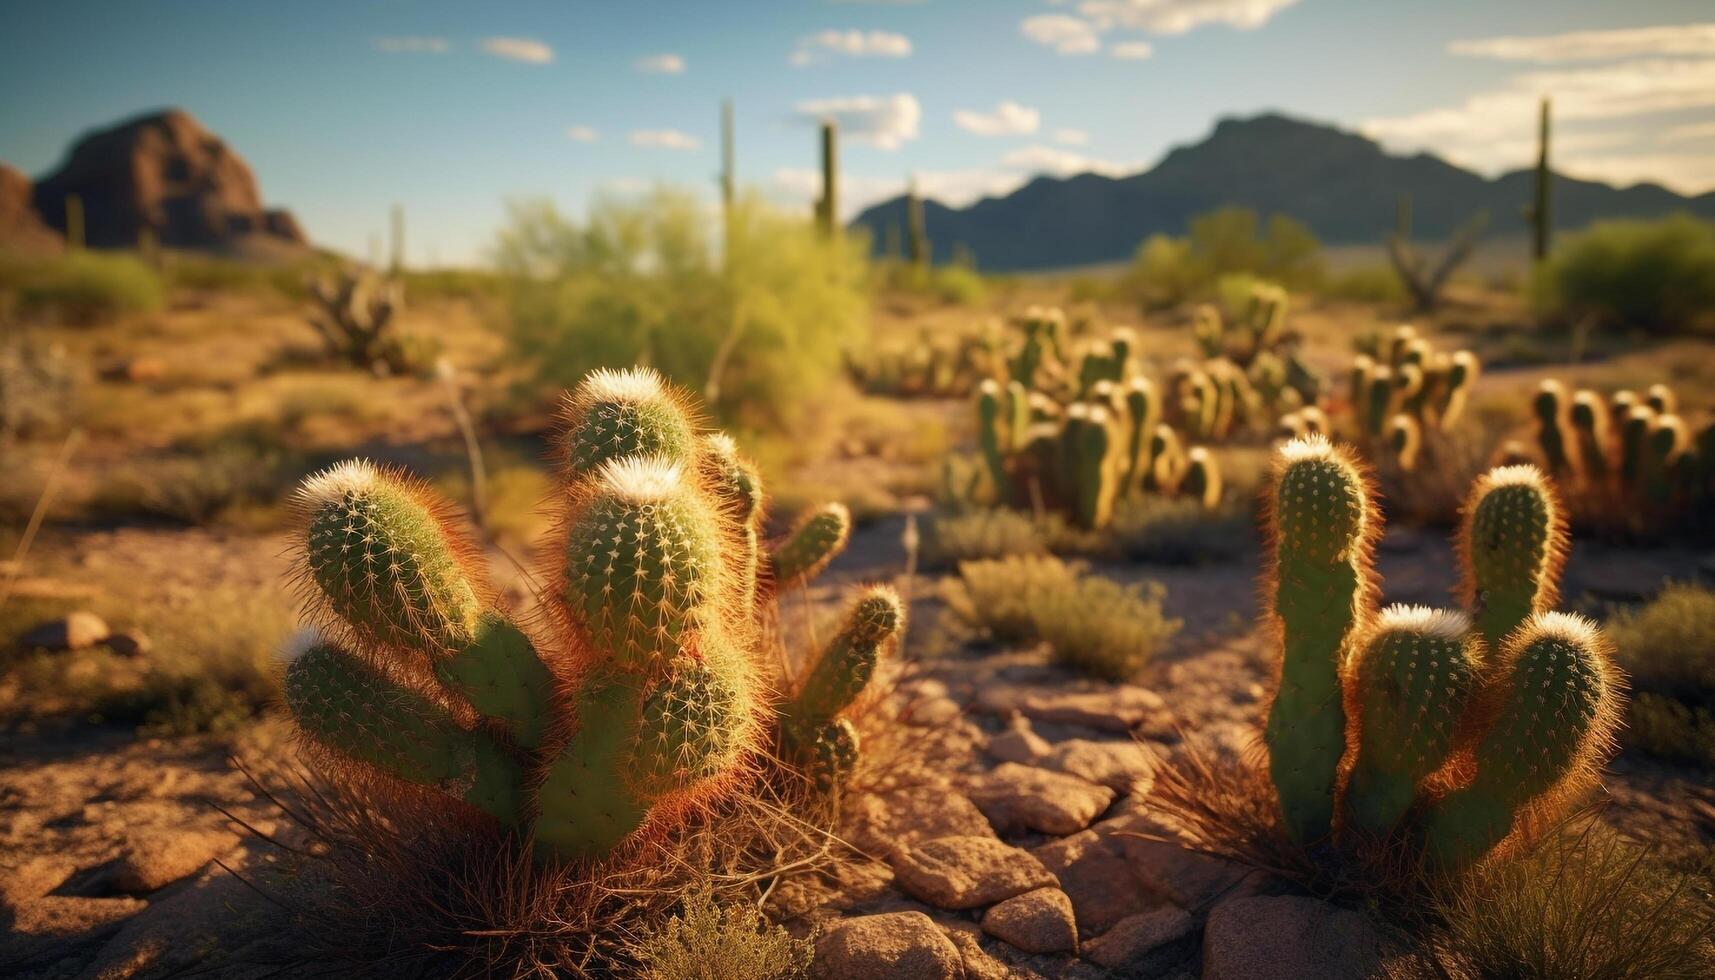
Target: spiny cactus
{"x":354,"y":318}
{"x":1532,"y":692}
{"x":1402,"y":391}
{"x":645,"y":700}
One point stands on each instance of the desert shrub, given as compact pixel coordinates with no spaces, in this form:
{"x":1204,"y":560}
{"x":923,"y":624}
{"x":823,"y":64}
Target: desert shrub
{"x":1180,"y":531}
{"x":191,"y":485}
{"x":1371,"y":283}
{"x":81,"y":287}
{"x":1167,"y":271}
{"x":971,"y":535}
{"x":1162,"y":273}
{"x":38,"y":388}
{"x":1668,"y":649}
{"x":1092,"y":624}
{"x":208,"y":273}
{"x":1654,"y":275}
{"x":712,"y":942}
{"x":1587,"y":903}
{"x":646,"y":283}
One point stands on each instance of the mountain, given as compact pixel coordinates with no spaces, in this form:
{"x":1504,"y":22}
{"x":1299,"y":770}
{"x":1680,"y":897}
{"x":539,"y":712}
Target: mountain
{"x":165,"y":174}
{"x":1341,"y":184}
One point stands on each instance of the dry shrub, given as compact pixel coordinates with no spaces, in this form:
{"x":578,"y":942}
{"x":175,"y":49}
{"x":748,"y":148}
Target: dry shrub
{"x":1091,"y":623}
{"x":1668,"y":649}
{"x":1181,"y":531}
{"x":733,"y":942}
{"x":975,"y":535}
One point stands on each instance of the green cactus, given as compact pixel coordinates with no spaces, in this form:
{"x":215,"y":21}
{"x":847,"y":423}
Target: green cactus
{"x":1320,"y":521}
{"x":1553,"y":430}
{"x":1589,"y":418}
{"x":995,"y":435}
{"x":1412,"y":675}
{"x":1202,"y":479}
{"x":823,"y":743}
{"x":650,"y":702}
{"x":1405,"y":438}
{"x":1143,"y":412}
{"x":1512,"y":542}
{"x":819,"y":536}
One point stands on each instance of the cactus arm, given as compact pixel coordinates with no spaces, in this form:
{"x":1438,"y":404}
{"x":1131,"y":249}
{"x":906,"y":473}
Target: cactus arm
{"x":819,"y":536}
{"x":808,"y":721}
{"x":502,"y":677}
{"x":584,"y":807}
{"x":1512,"y":541}
{"x":992,"y":434}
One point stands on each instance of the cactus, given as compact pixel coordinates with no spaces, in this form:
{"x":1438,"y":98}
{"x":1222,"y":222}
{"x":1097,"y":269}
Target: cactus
{"x":353,"y":318}
{"x":1321,"y":522}
{"x":828,"y":205}
{"x":1461,"y":729}
{"x":1554,"y":430}
{"x":1202,"y":479}
{"x":1540,"y":212}
{"x":645,"y":701}
{"x":916,"y":231}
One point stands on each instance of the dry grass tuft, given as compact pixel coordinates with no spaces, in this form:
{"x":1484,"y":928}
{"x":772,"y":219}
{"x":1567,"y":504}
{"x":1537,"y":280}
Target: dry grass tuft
{"x":1668,"y":650}
{"x":712,"y":942}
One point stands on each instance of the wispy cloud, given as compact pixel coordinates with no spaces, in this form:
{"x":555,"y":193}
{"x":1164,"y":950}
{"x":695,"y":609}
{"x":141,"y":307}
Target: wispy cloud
{"x":523,"y":49}
{"x":1038,"y":159}
{"x":660,"y":64}
{"x":884,"y":121}
{"x":1180,"y":16}
{"x":583,"y":134}
{"x":1667,"y":40}
{"x":1007,"y":119}
{"x":1690,"y":133}
{"x":413,"y":45}
{"x":1071,"y":137}
{"x":826,"y":45}
{"x":1064,"y":33}
{"x":1132,"y":50}
{"x":664,"y":139}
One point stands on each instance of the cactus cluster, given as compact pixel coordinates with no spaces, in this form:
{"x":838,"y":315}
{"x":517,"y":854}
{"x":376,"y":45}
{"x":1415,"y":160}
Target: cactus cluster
{"x":928,"y":365}
{"x":645,"y":694}
{"x":1455,"y":731}
{"x":1402,"y":390}
{"x":1629,"y":459}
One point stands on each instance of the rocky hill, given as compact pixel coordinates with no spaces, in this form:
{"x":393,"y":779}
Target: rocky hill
{"x":161,"y":173}
{"x":1343,"y":185}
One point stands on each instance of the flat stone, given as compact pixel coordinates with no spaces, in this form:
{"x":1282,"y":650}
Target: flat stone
{"x":903,"y":945}
{"x":23,"y":883}
{"x":133,"y":643}
{"x":1182,"y":876}
{"x":1094,"y":874}
{"x":156,"y":860}
{"x":932,"y":712}
{"x":74,"y":631}
{"x":1113,"y":708}
{"x":1037,"y":921}
{"x":881,"y":822}
{"x":966,"y":872}
{"x":1219,"y":742}
{"x":1124,"y":767}
{"x":1017,"y":797}
{"x":979,"y":964}
{"x":1289,"y":937}
{"x":1019,"y":743}
{"x":1147,"y":942}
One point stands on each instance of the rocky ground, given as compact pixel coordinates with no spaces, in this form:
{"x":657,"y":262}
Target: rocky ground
{"x":1006,"y":832}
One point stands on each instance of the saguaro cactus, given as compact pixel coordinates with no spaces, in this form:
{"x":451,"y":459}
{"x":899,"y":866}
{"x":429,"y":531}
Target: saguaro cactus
{"x":644,"y":701}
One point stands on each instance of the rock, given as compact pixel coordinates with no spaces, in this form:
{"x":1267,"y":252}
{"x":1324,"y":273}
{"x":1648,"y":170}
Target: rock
{"x":932,"y":712}
{"x":1221,"y":742}
{"x":134,"y":643}
{"x":75,"y":631}
{"x":903,"y":945}
{"x":1112,"y":708}
{"x":1146,"y":942}
{"x":164,"y":174}
{"x":23,"y":883}
{"x":134,"y":369}
{"x":160,"y":858}
{"x":1290,"y":937}
{"x":1185,"y":877}
{"x":1019,"y":743}
{"x":881,"y":822}
{"x":22,"y":229}
{"x":1015,"y":798}
{"x":1094,"y":874}
{"x":1124,"y":767}
{"x":979,"y":965}
{"x":966,"y":872}
{"x":1037,"y":921}
{"x":181,"y":930}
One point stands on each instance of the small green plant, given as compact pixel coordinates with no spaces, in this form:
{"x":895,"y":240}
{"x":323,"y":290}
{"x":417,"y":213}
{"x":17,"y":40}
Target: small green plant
{"x":707,"y":941}
{"x":981,"y":533}
{"x":642,"y":704}
{"x":1092,"y":624}
{"x":82,"y":287}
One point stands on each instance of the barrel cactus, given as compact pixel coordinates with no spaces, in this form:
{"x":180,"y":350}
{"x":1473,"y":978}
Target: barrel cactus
{"x":645,"y":691}
{"x":1456,"y":730}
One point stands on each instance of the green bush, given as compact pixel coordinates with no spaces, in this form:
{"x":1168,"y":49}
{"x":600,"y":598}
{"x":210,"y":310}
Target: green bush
{"x":646,"y":283}
{"x":972,"y":535}
{"x":1668,"y":649}
{"x":208,"y":273}
{"x":1374,"y":283}
{"x":1655,"y":275}
{"x":1168,"y":271}
{"x":81,"y":287}
{"x":711,"y":942}
{"x":1092,"y":624}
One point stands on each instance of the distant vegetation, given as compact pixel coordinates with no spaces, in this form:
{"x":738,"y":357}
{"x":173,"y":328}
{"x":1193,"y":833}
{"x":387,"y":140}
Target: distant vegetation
{"x":1168,"y":270}
{"x":79,"y":287}
{"x":1658,"y":276}
{"x":646,"y":283}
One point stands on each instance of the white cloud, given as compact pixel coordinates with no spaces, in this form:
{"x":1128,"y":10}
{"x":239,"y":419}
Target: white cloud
{"x":1071,"y":137}
{"x":1064,"y":33}
{"x":626,"y":186}
{"x":1180,"y":16}
{"x":1688,"y":173}
{"x":825,"y":45}
{"x":1665,"y":40}
{"x":413,"y":45}
{"x":519,"y":49}
{"x":660,"y":64}
{"x":1132,"y":50}
{"x":582,"y":134}
{"x":1007,"y":119}
{"x":1038,"y":159}
{"x":884,"y":121}
{"x":1690,"y":132}
{"x":664,"y":139}
{"x":1495,"y":130}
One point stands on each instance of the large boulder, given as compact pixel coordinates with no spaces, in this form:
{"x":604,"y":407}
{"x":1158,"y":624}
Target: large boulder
{"x":21,"y":228}
{"x":164,"y":173}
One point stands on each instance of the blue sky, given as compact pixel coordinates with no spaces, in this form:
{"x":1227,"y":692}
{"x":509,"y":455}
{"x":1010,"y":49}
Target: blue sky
{"x":453,"y":107}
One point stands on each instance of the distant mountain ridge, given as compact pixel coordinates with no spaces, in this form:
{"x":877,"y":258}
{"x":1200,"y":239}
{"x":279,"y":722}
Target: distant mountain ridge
{"x":1343,"y":185}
